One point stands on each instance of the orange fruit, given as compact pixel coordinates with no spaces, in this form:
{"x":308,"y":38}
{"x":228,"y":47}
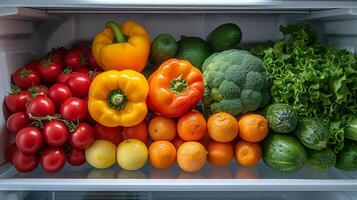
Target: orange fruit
{"x":219,"y":153}
{"x":248,"y":154}
{"x":139,"y":132}
{"x":162,"y":128}
{"x":191,"y":156}
{"x":191,"y":126}
{"x":205,"y":140}
{"x":178,"y":142}
{"x":162,"y":154}
{"x":253,"y":127}
{"x":222,"y":127}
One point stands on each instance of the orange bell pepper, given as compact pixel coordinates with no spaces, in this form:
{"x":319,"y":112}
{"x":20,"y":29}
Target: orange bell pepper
{"x":120,"y":48}
{"x":174,"y":88}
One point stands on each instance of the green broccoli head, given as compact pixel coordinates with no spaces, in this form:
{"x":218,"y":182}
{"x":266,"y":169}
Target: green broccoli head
{"x":235,"y":82}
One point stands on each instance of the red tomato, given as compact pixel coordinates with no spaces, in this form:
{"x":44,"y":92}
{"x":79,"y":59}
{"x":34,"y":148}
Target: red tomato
{"x":32,"y":65}
{"x":139,"y":131}
{"x":79,"y":84}
{"x":38,"y":90}
{"x":58,"y":93}
{"x":10,"y":152}
{"x":63,"y":77}
{"x":111,"y":134}
{"x":74,"y":59}
{"x":53,"y":159}
{"x":29,"y":139}
{"x":91,"y":61}
{"x":17,"y":121}
{"x":55,"y":133}
{"x":58,"y":53}
{"x":84,"y":70}
{"x":17,"y":101}
{"x":40,"y":106}
{"x":50,"y":68}
{"x":24,"y":162}
{"x":82,"y":137}
{"x":74,"y":109}
{"x":82,"y":48}
{"x":88,"y":118}
{"x":25,"y":78}
{"x":76,"y":157}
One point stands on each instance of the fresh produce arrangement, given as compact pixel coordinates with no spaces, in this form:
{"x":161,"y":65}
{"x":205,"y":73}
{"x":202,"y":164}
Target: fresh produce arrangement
{"x":126,"y":100}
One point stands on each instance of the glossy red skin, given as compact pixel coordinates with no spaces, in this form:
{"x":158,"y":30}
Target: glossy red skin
{"x":55,"y":133}
{"x":82,"y":137}
{"x":53,"y":159}
{"x":38,"y":90}
{"x":17,"y":102}
{"x":25,"y":162}
{"x":58,"y":93}
{"x":63,"y":77}
{"x":76,"y":156}
{"x":112,"y":134}
{"x":74,"y":59}
{"x":29,"y":140}
{"x":17,"y":121}
{"x":25,"y":81}
{"x":79,"y":84}
{"x":10,"y":152}
{"x":50,"y":72}
{"x":41,"y":106}
{"x":74,"y":109}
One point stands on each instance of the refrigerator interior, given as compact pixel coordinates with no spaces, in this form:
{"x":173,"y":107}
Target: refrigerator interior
{"x":28,"y":33}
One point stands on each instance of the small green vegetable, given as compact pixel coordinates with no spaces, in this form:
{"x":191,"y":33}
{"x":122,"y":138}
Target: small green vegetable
{"x":283,"y":153}
{"x":224,"y":37}
{"x":282,"y":118}
{"x":193,"y":49}
{"x":313,"y":133}
{"x":235,"y":82}
{"x":163,"y":47}
{"x":347,"y":157}
{"x":321,"y":160}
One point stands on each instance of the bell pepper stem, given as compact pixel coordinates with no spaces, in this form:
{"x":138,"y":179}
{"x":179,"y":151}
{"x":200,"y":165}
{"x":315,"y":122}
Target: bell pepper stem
{"x":117,"y":99}
{"x":178,"y":85}
{"x":119,"y":36}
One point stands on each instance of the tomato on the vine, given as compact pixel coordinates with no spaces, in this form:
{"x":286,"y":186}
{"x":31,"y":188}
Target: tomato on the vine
{"x":40,"y":106}
{"x":29,"y":139}
{"x":58,"y":52}
{"x":82,"y":137}
{"x":50,"y":68}
{"x":63,"y":77}
{"x":37,"y":90}
{"x":73,"y":109}
{"x":10,"y":152}
{"x":84,"y":70}
{"x":79,"y":84}
{"x":17,"y":121}
{"x":75,"y":156}
{"x":58,"y":93}
{"x":16,"y":101}
{"x":53,"y":159}
{"x":25,"y":78}
{"x":24,"y":162}
{"x":55,"y":133}
{"x":32,"y":65}
{"x":82,"y":48}
{"x":112,"y":134}
{"x":91,"y":61}
{"x":74,"y":59}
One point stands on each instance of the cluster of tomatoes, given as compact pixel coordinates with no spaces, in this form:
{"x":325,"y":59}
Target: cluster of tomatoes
{"x":48,"y":112}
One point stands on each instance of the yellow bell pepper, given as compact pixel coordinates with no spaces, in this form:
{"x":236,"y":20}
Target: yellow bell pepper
{"x":117,"y":98}
{"x":127,"y":47}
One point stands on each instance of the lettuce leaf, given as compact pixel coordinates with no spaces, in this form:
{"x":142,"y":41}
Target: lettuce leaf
{"x":317,"y":80}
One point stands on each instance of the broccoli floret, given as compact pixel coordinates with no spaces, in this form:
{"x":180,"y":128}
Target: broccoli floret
{"x":233,"y":107}
{"x":235,"y":82}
